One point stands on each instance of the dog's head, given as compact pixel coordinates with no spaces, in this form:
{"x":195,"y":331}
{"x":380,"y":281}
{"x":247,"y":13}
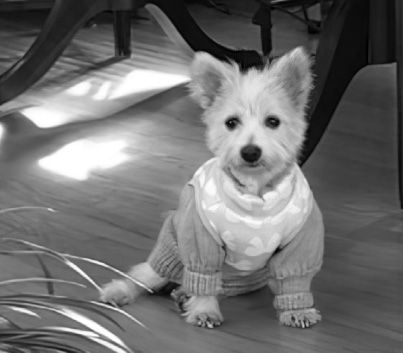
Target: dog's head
{"x":255,"y":119}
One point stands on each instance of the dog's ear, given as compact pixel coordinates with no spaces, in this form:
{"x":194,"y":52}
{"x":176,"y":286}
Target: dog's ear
{"x":208,"y":75}
{"x":293,"y":72}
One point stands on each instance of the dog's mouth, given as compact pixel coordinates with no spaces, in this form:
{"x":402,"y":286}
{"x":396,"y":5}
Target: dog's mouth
{"x":252,"y":166}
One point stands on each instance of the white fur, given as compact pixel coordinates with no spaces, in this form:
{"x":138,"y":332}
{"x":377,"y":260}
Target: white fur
{"x":124,"y":291}
{"x":281,"y":89}
{"x":224,"y":91}
{"x":203,"y":311}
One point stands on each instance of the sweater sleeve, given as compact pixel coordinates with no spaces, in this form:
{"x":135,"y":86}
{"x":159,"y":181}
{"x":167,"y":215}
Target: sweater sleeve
{"x":293,"y":267}
{"x":202,"y":256}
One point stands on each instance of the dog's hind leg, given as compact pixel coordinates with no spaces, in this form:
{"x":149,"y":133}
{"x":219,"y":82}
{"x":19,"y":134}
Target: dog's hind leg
{"x":125,"y":291}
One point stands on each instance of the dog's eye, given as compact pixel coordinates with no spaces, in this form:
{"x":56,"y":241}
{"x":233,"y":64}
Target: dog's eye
{"x":232,"y":122}
{"x":272,"y":121}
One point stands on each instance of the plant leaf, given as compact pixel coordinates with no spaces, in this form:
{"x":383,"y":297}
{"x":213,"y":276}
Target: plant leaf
{"x":84,"y":259}
{"x":26,"y":208}
{"x":8,"y":348}
{"x":94,"y":326}
{"x":33,"y":343}
{"x":72,"y":315}
{"x":70,"y":330}
{"x":39,"y":279}
{"x":59,"y":257}
{"x":58,"y":335}
{"x":23,"y":311}
{"x":111,"y":268}
{"x":49,"y":285}
{"x":5,"y":322}
{"x":91,"y":306}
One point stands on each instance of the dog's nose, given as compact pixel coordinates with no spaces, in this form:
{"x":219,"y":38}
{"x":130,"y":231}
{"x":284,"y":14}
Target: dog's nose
{"x":251,"y":153}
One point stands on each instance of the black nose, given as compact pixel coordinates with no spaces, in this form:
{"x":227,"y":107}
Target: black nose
{"x":251,"y":153}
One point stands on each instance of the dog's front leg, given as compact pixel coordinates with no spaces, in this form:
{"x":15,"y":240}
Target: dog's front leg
{"x":203,"y":311}
{"x":293,"y":269}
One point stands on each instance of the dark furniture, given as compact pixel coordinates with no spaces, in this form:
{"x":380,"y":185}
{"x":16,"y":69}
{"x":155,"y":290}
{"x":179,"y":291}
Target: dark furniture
{"x":68,"y":16}
{"x":356,"y":33}
{"x":263,"y":19}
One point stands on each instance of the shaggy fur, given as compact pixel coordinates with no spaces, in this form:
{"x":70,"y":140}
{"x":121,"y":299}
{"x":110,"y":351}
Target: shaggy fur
{"x":278,"y":91}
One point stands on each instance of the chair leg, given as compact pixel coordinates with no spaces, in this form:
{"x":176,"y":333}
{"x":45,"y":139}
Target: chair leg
{"x":179,"y":25}
{"x":399,"y":79}
{"x":122,"y":33}
{"x":342,"y":52}
{"x":64,"y":20}
{"x":262,"y":18}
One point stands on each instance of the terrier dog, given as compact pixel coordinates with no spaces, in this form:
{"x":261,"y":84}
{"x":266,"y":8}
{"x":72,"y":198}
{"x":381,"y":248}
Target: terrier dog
{"x":247,"y":219}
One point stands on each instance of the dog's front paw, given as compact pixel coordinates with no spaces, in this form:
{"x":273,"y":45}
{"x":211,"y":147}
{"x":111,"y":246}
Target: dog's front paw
{"x":203,"y":311}
{"x":120,"y":292}
{"x":301,"y":318}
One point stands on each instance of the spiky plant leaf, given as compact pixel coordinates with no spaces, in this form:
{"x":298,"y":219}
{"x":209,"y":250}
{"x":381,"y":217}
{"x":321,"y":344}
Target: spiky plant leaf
{"x":84,"y":259}
{"x":39,"y":279}
{"x":66,"y":312}
{"x":111,"y":268}
{"x":57,"y":334}
{"x":27,"y":208}
{"x":36,"y":345}
{"x":6,"y":348}
{"x":57,"y":256}
{"x":56,"y":338}
{"x":49,"y":285}
{"x":23,"y":311}
{"x":5,"y":322}
{"x":88,"y":305}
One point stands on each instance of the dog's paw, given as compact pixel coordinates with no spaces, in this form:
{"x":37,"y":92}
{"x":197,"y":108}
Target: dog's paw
{"x":203,"y":311}
{"x":120,"y":292}
{"x":301,"y":318}
{"x":206,"y":320}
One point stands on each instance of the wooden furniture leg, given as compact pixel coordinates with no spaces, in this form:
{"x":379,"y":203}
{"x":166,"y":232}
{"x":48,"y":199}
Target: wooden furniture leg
{"x":342,"y":52}
{"x":399,"y":79}
{"x":122,"y":31}
{"x":64,"y":20}
{"x":262,"y":18}
{"x":179,"y":25}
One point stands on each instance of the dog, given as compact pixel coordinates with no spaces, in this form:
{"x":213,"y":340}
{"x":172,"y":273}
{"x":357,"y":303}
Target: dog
{"x":247,"y":219}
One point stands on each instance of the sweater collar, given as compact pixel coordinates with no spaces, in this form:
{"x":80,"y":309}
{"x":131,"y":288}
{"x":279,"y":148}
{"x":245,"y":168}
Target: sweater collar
{"x":272,"y":202}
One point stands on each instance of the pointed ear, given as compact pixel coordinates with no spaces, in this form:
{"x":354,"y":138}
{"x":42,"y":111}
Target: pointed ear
{"x":208,"y":75}
{"x":293,"y":71}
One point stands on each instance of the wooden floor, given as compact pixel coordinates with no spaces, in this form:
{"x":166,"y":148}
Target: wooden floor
{"x":113,"y":214}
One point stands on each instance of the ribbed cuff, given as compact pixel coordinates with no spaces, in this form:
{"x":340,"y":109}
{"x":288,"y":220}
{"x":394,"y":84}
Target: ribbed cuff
{"x":202,"y":284}
{"x":293,"y":301}
{"x":290,"y":285}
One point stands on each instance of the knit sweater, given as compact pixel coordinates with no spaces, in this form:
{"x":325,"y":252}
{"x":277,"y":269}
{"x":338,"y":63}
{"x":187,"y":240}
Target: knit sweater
{"x":194,"y":250}
{"x":249,"y":227}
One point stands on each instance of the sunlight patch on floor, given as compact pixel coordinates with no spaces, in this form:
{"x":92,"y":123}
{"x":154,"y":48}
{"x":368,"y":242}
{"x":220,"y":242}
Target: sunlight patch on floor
{"x":78,"y":159}
{"x":94,"y":98}
{"x":45,"y":117}
{"x":146,"y":80}
{"x":2,"y":132}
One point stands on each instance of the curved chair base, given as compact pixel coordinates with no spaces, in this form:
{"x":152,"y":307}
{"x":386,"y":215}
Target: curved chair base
{"x":68,"y":16}
{"x":64,"y":20}
{"x":180,"y":26}
{"x":343,"y":50}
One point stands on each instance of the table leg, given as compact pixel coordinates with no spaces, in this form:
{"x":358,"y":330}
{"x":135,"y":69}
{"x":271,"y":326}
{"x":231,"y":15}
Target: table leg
{"x":122,"y":31}
{"x":399,"y":79}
